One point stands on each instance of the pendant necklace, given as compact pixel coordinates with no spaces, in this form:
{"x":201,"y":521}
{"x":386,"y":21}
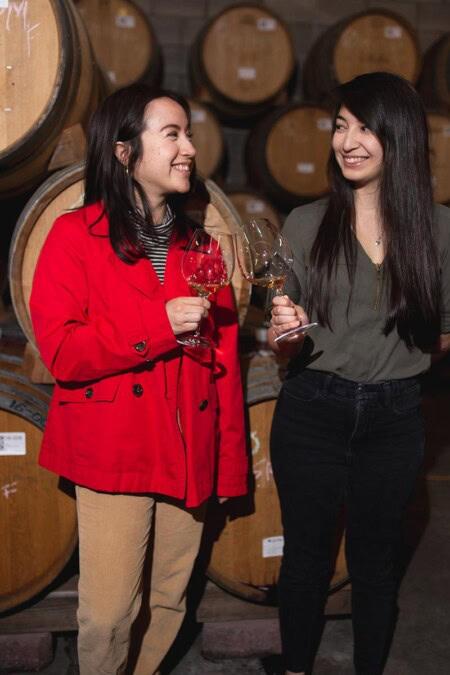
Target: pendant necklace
{"x":378,"y":241}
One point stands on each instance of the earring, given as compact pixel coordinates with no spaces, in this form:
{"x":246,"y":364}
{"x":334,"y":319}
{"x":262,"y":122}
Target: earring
{"x":126,"y":170}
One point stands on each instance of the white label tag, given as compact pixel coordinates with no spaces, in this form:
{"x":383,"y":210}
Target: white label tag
{"x":266,"y":24}
{"x":324,"y":124}
{"x":4,"y":3}
{"x":393,"y":32}
{"x":247,"y":73}
{"x":272,"y":546}
{"x":254,"y":206}
{"x":198,"y":115}
{"x":125,"y":21}
{"x":305,"y":167}
{"x":446,"y":131}
{"x":13,"y":443}
{"x":112,"y":75}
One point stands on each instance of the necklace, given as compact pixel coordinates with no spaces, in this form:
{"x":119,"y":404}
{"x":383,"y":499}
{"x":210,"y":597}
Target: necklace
{"x":378,"y":241}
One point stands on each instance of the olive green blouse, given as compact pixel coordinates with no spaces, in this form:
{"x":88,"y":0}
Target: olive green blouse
{"x":356,"y":347}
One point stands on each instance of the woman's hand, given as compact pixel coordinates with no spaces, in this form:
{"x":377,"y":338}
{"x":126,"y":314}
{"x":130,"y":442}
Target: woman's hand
{"x":286,"y":315}
{"x":185,"y":313}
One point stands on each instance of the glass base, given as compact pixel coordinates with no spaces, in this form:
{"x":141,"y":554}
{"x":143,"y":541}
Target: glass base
{"x":195,"y":341}
{"x":300,"y":330}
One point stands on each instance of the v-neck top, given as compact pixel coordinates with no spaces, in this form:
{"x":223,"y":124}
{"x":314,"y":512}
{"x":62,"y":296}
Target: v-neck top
{"x":356,"y":347}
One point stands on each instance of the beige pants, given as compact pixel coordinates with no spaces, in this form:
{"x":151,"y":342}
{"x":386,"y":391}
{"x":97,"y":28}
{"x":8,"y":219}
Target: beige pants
{"x":115,"y":531}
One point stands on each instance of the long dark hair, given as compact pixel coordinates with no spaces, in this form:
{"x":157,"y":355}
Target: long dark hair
{"x":392,"y":109}
{"x":121,"y":118}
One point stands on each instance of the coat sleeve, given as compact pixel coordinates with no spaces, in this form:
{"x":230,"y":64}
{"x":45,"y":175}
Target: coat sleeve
{"x":74,"y":346}
{"x":232,"y":473}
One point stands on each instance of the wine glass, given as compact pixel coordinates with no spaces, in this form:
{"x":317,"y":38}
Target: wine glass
{"x":265,"y":259}
{"x":207,"y":266}
{"x":264,"y":255}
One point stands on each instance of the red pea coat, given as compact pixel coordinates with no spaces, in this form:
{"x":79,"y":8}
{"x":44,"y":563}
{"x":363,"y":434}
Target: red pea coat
{"x":132,"y":411}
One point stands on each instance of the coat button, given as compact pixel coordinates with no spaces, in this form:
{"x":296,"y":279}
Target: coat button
{"x":137,"y":390}
{"x":203,"y":405}
{"x":140,"y":346}
{"x":89,"y":392}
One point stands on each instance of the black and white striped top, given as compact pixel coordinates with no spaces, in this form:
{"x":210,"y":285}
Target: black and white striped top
{"x":157,"y":247}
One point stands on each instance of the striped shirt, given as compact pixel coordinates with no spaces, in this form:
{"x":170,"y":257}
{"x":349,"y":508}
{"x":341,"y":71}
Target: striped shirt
{"x":156,"y":244}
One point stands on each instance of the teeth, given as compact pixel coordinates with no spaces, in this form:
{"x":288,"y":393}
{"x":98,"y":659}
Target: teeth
{"x":354,"y":160}
{"x":182,"y":167}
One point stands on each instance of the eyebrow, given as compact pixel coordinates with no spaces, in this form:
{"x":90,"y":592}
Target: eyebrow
{"x":174,"y":126}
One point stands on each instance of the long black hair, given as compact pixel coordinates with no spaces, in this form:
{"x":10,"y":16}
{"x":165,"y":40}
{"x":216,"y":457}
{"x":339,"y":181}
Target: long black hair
{"x":120,"y":118}
{"x":392,"y":109}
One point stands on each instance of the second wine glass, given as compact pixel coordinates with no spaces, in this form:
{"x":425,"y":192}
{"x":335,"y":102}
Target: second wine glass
{"x":207,"y":266}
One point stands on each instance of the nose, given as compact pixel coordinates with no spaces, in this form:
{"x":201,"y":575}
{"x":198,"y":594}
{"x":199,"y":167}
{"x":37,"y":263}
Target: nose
{"x":188,"y":148}
{"x":350,"y":140}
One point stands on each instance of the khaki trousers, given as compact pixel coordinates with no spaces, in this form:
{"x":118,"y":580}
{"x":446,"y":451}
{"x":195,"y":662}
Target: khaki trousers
{"x":115,"y":532}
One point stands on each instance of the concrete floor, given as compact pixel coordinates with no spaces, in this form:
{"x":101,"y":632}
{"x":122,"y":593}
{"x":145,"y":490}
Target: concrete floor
{"x":421,"y":644}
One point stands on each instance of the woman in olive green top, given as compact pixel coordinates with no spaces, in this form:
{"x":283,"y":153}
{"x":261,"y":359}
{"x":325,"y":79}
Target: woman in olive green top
{"x":371,"y":267}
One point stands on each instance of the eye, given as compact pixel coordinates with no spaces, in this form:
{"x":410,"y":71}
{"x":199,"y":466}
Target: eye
{"x":338,"y":126}
{"x":190,"y":135}
{"x":174,"y":134}
{"x":366,"y":129}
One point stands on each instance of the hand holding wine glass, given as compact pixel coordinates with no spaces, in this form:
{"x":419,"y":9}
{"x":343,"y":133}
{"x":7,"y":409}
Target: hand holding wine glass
{"x":207,"y":266}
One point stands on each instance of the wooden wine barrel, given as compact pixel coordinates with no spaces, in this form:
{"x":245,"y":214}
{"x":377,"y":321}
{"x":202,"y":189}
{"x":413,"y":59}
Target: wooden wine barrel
{"x":50,"y":83}
{"x":124,"y":43}
{"x":232,"y":60}
{"x":363,"y":43}
{"x":207,"y":138}
{"x":439,"y":125}
{"x":63,"y":191}
{"x":38,"y":526}
{"x":250,"y":203}
{"x":247,"y":547}
{"x":287,"y":153}
{"x":434,"y":83}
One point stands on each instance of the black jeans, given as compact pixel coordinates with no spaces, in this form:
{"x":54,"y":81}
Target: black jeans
{"x":335,"y":440}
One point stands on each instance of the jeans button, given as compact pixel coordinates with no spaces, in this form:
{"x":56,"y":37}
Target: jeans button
{"x":137,"y":390}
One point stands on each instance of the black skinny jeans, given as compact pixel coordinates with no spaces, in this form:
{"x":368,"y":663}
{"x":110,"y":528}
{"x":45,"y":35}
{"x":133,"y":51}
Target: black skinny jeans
{"x":335,"y":440}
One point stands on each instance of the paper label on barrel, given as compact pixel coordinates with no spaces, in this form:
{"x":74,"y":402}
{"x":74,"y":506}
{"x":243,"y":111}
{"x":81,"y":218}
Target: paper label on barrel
{"x":324,"y":124}
{"x":266,"y":23}
{"x":254,"y":206}
{"x":198,"y":115}
{"x":393,"y":32}
{"x":305,"y":167}
{"x":247,"y":73}
{"x":446,"y":131}
{"x":12,"y":443}
{"x":4,"y":3}
{"x":272,"y":547}
{"x":125,"y":21}
{"x":112,"y":75}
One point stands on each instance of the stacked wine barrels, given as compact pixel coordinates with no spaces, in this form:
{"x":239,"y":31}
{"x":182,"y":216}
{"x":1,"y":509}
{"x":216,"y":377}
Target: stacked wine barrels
{"x":61,"y":58}
{"x":50,"y":83}
{"x":367,"y":42}
{"x":233,"y":57}
{"x":124,"y":42}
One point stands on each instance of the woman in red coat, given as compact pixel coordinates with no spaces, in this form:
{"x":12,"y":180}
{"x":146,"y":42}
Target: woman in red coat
{"x":145,"y":428}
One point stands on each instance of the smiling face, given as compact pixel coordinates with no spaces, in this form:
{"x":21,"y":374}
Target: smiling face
{"x":357,"y":150}
{"x":168,"y":155}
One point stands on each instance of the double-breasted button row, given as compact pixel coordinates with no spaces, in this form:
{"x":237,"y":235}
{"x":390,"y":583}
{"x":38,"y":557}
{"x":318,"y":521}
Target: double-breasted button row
{"x":203,"y":405}
{"x":140,"y":346}
{"x":138,"y":390}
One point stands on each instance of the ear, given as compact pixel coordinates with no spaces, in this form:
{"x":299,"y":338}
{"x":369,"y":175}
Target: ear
{"x":122,"y":152}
